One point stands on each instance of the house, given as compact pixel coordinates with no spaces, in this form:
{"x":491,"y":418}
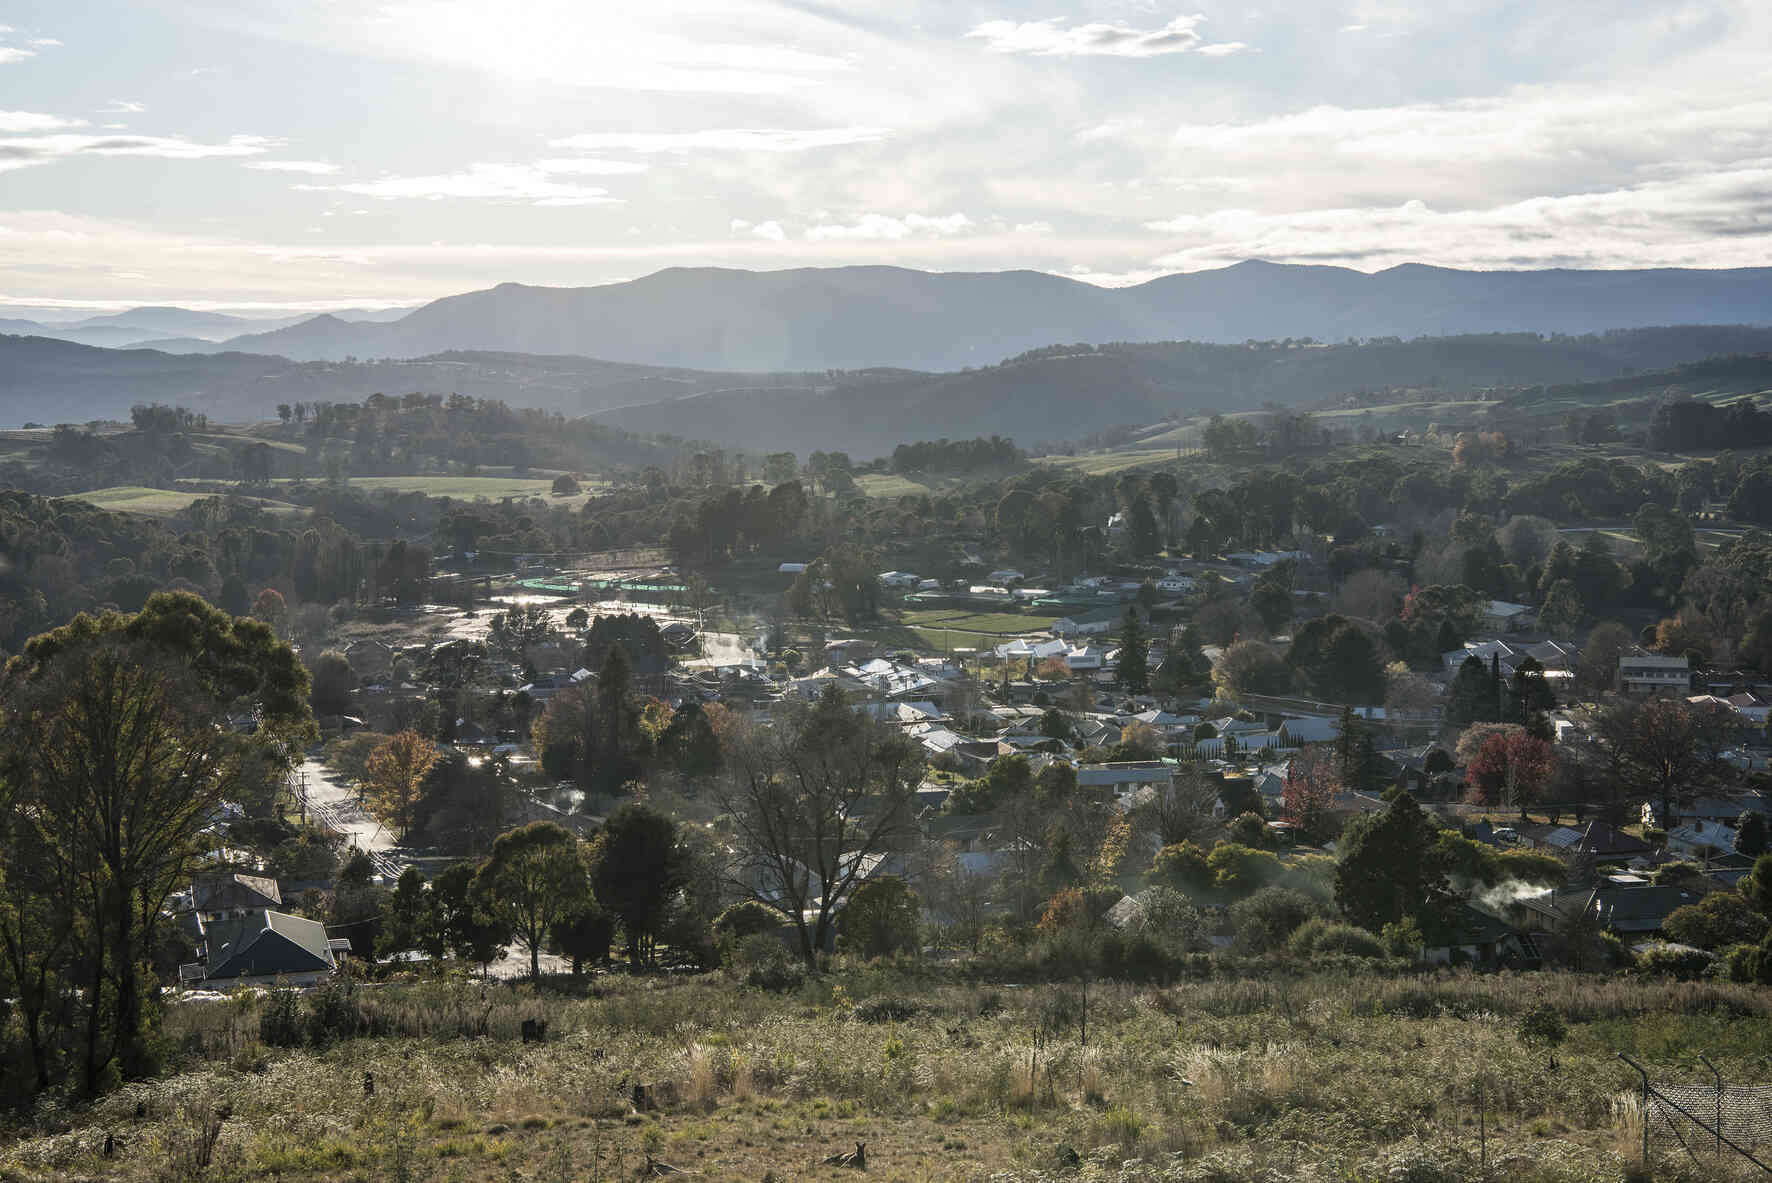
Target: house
{"x":1310,"y":729}
{"x":1648,"y":675}
{"x":369,"y":659}
{"x":791,"y":569}
{"x":1122,"y":778}
{"x":1475,"y":937}
{"x":1105,"y":619}
{"x":1700,"y":839}
{"x":1080,"y":659}
{"x":216,"y":898}
{"x":265,"y":948}
{"x":1006,"y":575}
{"x":1176,"y":585}
{"x":899,"y":580}
{"x":1504,"y":617}
{"x":1626,"y":909}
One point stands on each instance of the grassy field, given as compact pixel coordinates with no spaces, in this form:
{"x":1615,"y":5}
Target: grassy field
{"x":888,"y":485}
{"x":1007,"y":624}
{"x":163,"y":502}
{"x":492,"y":488}
{"x":1323,"y":1078}
{"x":1105,"y":463}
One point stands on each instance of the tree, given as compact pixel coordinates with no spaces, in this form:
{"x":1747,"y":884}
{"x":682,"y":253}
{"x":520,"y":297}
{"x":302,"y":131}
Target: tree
{"x":1563,"y":611}
{"x":636,"y":869}
{"x":395,"y":776}
{"x":1390,"y":869}
{"x":534,"y":880}
{"x":119,"y":744}
{"x":1665,"y":749}
{"x":1720,"y":919}
{"x":1180,"y":810}
{"x":881,"y":918}
{"x":565,"y":485}
{"x":1597,"y":669}
{"x":1271,"y":597}
{"x":1512,"y":769}
{"x":1339,"y":661}
{"x":333,"y":683}
{"x":1757,"y":887}
{"x":412,"y":920}
{"x":812,"y":799}
{"x":1134,"y":667}
{"x":1750,"y":834}
{"x":1250,"y":667}
{"x":271,"y":608}
{"x":465,"y":926}
{"x":1312,"y":780}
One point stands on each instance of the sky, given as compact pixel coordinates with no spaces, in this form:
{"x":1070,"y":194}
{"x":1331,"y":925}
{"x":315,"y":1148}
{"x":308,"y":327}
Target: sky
{"x":268,"y":156}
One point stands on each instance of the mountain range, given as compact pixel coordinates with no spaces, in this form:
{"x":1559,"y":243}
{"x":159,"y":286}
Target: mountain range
{"x":814,"y":319}
{"x":1052,"y":394}
{"x":188,"y":330}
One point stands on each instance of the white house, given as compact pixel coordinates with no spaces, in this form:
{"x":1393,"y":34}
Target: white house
{"x":1007,"y":575}
{"x":1700,"y":838}
{"x":898,"y":580}
{"x":1650,"y":674}
{"x":1176,"y":585}
{"x":1505,"y":617}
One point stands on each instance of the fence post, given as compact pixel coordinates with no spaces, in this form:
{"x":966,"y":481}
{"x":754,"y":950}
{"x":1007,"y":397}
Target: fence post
{"x":1482,"y":1128}
{"x":1719,"y":1079}
{"x":1644,"y":1073}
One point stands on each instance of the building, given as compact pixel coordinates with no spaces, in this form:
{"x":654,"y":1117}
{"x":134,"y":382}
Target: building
{"x":219,"y":898}
{"x":273,"y":946}
{"x":1649,"y":675}
{"x":1105,"y":619}
{"x":1504,"y":617}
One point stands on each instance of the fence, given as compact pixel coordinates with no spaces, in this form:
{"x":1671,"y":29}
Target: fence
{"x":1719,"y":1122}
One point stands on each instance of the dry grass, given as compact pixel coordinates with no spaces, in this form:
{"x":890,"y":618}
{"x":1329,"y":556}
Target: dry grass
{"x":1316,"y":1078}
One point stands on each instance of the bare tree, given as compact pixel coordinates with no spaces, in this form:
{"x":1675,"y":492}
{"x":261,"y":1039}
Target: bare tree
{"x":1180,"y":810}
{"x":815,"y":796}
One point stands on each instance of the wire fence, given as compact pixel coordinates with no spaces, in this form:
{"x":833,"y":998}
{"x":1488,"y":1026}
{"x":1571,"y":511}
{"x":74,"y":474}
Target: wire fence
{"x":1709,"y":1123}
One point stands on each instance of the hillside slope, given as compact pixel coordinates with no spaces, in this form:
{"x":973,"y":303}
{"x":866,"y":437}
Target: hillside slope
{"x":861,"y":317}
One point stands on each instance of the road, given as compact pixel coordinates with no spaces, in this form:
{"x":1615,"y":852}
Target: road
{"x":335,"y":806}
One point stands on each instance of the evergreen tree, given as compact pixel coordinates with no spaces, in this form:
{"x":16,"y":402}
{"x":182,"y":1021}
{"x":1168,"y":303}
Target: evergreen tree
{"x":1134,"y":660}
{"x":1391,"y":869}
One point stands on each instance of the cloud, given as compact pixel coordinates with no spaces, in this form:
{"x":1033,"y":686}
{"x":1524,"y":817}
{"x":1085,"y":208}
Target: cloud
{"x":317,"y":168}
{"x":1714,"y":220}
{"x":26,"y":151}
{"x":1033,"y":227}
{"x":17,"y":121}
{"x":588,"y":166}
{"x":771,"y":230}
{"x":45,"y":42}
{"x":1048,"y":38}
{"x":732,"y":139}
{"x":510,"y":183}
{"x":12,"y":53}
{"x":880,"y":226}
{"x":124,"y":107}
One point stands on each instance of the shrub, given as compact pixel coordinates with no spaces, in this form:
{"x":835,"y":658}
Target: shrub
{"x":1542,"y":1026}
{"x":1720,"y":918}
{"x":747,"y":918}
{"x":1267,"y":919}
{"x":1682,"y":963}
{"x":880,"y":918}
{"x":282,"y":1023}
{"x":1247,"y":830}
{"x":1182,"y":867}
{"x":334,"y":1016}
{"x":1238,"y":869}
{"x":1169,"y":919}
{"x":1318,"y":937}
{"x":768,"y":965}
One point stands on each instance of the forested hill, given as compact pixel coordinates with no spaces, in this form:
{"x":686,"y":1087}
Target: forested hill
{"x":858,"y":317}
{"x":51,"y":381}
{"x":1069,"y":392}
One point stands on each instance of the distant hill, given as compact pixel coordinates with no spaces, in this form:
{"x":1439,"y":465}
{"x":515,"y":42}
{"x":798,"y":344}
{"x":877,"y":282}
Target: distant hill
{"x":176,"y":330}
{"x":1064,"y":395}
{"x":862,"y":317}
{"x":51,"y":381}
